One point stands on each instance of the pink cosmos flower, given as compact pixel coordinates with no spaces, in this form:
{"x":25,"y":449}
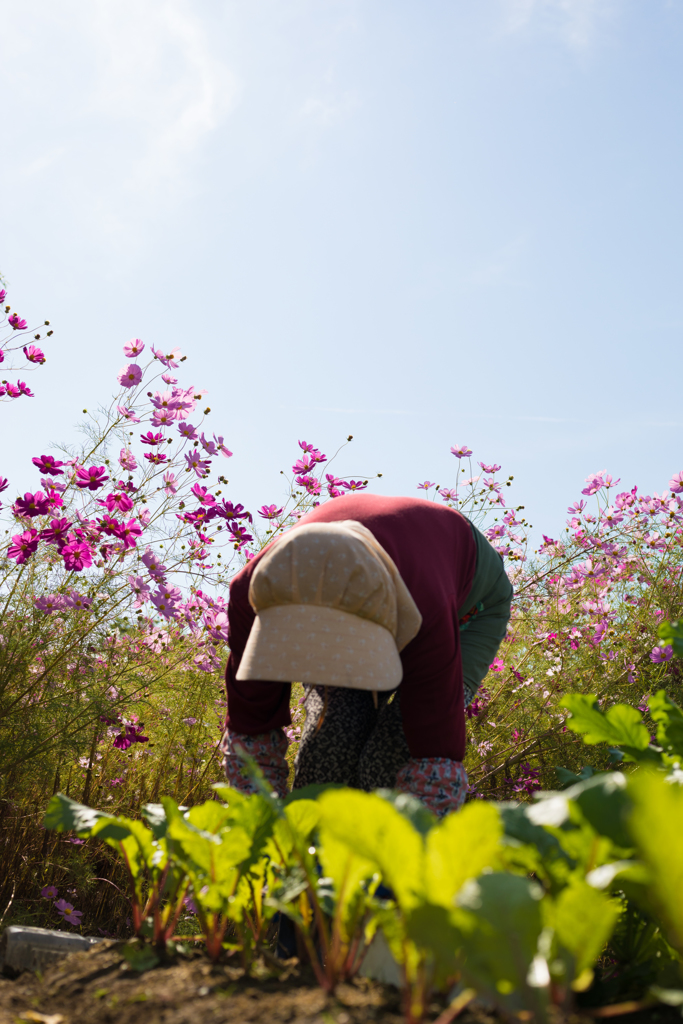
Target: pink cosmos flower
{"x":3,"y":293}
{"x":171,"y":360}
{"x":93,"y":477}
{"x":56,"y":532}
{"x":426,"y":486}
{"x":67,"y":912}
{"x":188,"y":431}
{"x":23,"y":546}
{"x":225,"y":452}
{"x":355,"y":485}
{"x":49,"y":603}
{"x":130,"y":376}
{"x":497,"y":665}
{"x":77,"y":555}
{"x":165,"y":400}
{"x":116,"y":502}
{"x":48,"y":464}
{"x":34,"y":354}
{"x":163,"y":417}
{"x":132,"y":734}
{"x":577,"y":508}
{"x":203,"y":495}
{"x":168,"y":378}
{"x":208,"y":446}
{"x":169,"y":609}
{"x":226,"y":510}
{"x":150,"y":438}
{"x":141,"y":590}
{"x":156,"y":458}
{"x":660,"y":654}
{"x":487,"y":469}
{"x":170,"y":483}
{"x":127,"y":414}
{"x":462,"y":451}
{"x":127,"y":460}
{"x":4,"y":483}
{"x":676,"y":482}
{"x":75,"y":600}
{"x":496,"y":531}
{"x":194,"y":462}
{"x":129,"y":532}
{"x":24,"y":389}
{"x":16,"y":323}
{"x":270,"y":511}
{"x":156,"y":570}
{"x":133,"y":348}
{"x":32,"y":505}
{"x":448,"y":493}
{"x":240,"y":535}
{"x":49,"y":892}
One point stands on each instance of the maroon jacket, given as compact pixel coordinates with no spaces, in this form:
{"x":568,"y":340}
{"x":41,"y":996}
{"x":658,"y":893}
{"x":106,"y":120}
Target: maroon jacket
{"x":435,"y":553}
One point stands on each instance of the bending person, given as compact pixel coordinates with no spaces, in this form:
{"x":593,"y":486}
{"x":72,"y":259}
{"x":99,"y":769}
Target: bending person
{"x":389,"y":611}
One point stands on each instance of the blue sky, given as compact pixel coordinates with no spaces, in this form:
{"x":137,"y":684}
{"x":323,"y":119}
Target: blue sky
{"x":422,"y":224}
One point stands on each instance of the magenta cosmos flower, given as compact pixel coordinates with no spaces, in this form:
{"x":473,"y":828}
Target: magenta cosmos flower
{"x":23,"y":546}
{"x":270,"y":511}
{"x":48,"y":464}
{"x":32,"y":505}
{"x":67,"y":912}
{"x":56,"y":532}
{"x":660,"y":654}
{"x":171,"y":360}
{"x":93,"y":477}
{"x":127,"y":460}
{"x":462,"y":451}
{"x":34,"y":354}
{"x":129,"y":376}
{"x":150,"y":438}
{"x":201,"y":467}
{"x":188,"y":431}
{"x":127,"y":414}
{"x":203,"y":495}
{"x":133,"y":348}
{"x":78,"y":601}
{"x":77,"y":555}
{"x":49,"y":603}
{"x":488,"y":469}
{"x":425,"y":486}
{"x":16,"y":323}
{"x":49,"y":892}
{"x":116,"y":502}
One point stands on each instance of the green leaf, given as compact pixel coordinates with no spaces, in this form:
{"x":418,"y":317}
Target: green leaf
{"x":66,"y":815}
{"x":140,"y":958}
{"x":431,"y":928}
{"x":620,"y":726}
{"x":672,"y":633}
{"x":655,"y":824}
{"x":461,"y":847}
{"x":518,"y":825}
{"x":377,"y":832}
{"x":583,"y":919}
{"x":155,"y":816}
{"x":500,"y":923}
{"x":567,"y":778}
{"x":669,"y":720}
{"x":419,"y":816}
{"x":605,"y":804}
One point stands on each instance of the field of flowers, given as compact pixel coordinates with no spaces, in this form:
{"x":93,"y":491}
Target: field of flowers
{"x":113,"y":586}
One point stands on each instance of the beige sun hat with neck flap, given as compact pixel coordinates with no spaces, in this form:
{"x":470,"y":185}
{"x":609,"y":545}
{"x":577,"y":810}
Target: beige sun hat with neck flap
{"x":331,"y":609}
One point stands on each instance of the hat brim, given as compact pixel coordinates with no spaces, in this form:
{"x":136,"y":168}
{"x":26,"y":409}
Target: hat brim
{"x":316,"y":644}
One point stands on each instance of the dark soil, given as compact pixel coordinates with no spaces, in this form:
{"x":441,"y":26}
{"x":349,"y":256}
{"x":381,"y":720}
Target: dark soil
{"x":97,"y":987}
{"x":92,"y":986}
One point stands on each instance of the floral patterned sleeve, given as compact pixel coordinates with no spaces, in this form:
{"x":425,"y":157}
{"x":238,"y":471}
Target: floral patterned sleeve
{"x":441,"y":784}
{"x":268,"y":750}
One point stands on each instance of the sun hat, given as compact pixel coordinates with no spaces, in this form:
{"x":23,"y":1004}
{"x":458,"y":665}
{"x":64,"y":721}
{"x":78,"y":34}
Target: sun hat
{"x":331,"y":609}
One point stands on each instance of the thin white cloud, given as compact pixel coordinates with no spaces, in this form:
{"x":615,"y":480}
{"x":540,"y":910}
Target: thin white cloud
{"x":576,"y":22}
{"x":121,"y":96}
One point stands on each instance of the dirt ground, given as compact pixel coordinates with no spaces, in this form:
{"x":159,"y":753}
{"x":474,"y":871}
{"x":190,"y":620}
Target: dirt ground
{"x":94,"y":988}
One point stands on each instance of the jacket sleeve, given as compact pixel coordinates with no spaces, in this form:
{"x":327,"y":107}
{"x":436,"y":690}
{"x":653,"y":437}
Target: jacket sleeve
{"x":254,"y":706}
